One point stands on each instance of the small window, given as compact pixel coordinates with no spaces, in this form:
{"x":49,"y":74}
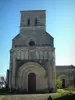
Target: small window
{"x":28,"y":22}
{"x":36,"y":21}
{"x":31,"y":43}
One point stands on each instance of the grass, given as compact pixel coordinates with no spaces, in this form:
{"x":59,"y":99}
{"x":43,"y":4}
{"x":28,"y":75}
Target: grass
{"x":66,"y":91}
{"x":61,"y":94}
{"x":65,"y":97}
{"x":64,"y":94}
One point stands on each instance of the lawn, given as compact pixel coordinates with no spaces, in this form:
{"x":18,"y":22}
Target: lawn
{"x":64,"y":94}
{"x":61,"y":94}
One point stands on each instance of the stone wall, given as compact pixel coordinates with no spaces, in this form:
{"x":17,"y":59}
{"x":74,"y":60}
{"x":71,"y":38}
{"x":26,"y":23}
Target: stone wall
{"x":33,"y":44}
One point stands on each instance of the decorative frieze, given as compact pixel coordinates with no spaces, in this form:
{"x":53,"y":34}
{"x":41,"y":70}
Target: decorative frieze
{"x":34,"y":54}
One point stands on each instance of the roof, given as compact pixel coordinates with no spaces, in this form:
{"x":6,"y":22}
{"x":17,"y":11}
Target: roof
{"x":31,"y":10}
{"x":62,"y":67}
{"x":50,"y":35}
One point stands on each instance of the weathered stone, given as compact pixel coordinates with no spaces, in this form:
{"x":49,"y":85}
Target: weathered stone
{"x":33,"y":52}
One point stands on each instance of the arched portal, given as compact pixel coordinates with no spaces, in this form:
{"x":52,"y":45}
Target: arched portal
{"x":31,"y":73}
{"x":65,"y":81}
{"x":31,"y":83}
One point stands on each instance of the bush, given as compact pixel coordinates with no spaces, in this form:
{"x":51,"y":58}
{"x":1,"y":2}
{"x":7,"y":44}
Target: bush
{"x":3,"y":90}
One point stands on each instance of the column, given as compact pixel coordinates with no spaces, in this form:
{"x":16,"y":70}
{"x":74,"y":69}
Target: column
{"x":13,"y":69}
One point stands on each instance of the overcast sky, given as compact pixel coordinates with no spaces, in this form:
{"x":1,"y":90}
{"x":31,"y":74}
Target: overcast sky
{"x":60,"y":22}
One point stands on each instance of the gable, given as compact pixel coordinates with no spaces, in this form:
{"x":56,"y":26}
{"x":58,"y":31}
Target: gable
{"x":40,"y":39}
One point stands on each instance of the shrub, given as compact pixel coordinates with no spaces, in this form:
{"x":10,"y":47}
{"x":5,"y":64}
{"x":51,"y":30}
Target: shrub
{"x":58,"y":82}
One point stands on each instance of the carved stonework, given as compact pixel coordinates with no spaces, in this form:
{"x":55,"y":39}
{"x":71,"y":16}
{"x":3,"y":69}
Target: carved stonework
{"x":32,"y":54}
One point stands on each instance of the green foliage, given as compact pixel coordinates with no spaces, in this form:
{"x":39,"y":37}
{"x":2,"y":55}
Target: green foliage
{"x":63,"y":91}
{"x":4,"y":91}
{"x":58,"y":82}
{"x":64,"y":97}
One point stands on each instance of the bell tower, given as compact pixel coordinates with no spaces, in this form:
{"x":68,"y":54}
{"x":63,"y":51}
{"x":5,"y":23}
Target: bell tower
{"x":32,"y":55}
{"x":33,"y":20}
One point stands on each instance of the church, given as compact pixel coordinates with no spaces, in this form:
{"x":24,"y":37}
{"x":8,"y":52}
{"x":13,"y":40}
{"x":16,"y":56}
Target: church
{"x":32,"y":56}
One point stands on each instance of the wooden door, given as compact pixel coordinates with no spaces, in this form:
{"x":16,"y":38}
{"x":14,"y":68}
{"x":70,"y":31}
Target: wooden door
{"x":31,"y":83}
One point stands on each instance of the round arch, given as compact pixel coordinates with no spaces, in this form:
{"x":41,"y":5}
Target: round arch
{"x":31,"y":67}
{"x":66,"y":79}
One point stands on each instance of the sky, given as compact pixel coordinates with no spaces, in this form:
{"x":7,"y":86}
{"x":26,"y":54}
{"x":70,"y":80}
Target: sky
{"x":60,"y":23}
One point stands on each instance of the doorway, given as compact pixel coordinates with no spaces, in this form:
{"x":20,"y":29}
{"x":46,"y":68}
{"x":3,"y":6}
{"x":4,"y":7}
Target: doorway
{"x":63,"y":83}
{"x":32,"y":83}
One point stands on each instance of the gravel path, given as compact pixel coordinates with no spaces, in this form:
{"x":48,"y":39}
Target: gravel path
{"x":27,"y":97}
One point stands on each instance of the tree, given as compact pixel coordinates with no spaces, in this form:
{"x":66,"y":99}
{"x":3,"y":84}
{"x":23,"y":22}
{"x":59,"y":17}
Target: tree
{"x":58,"y":82}
{"x":2,"y":82}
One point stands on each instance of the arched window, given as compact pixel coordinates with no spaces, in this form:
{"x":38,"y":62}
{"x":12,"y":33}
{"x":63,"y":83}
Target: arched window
{"x":28,"y":22}
{"x":35,"y":21}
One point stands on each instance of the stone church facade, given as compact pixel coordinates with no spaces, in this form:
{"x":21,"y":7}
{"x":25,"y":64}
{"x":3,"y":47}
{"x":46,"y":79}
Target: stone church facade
{"x":32,"y":56}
